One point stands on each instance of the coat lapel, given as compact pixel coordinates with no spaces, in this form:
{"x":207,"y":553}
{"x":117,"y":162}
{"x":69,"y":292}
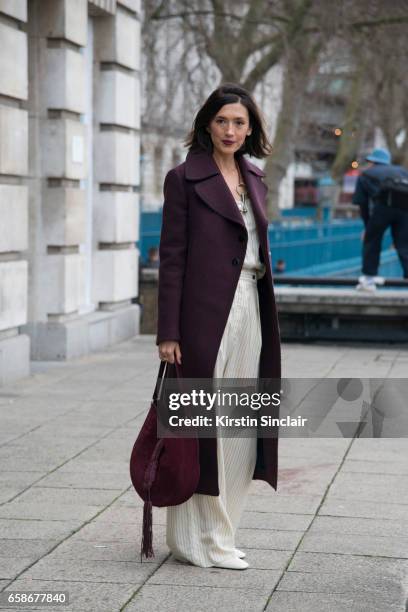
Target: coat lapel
{"x":256,"y":190}
{"x":212,"y":188}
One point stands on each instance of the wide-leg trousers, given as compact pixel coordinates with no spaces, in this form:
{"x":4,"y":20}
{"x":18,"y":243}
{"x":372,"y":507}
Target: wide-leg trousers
{"x":202,"y":529}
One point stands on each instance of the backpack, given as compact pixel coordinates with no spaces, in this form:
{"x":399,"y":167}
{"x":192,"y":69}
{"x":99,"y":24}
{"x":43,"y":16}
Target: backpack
{"x":393,"y":191}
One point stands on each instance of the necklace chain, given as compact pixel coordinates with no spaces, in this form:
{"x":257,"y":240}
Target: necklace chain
{"x":243,"y":193}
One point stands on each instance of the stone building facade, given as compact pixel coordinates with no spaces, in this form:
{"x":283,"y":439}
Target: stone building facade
{"x":160,"y":151}
{"x":69,"y":178}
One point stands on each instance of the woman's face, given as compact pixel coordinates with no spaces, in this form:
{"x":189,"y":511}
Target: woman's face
{"x":229,"y":128}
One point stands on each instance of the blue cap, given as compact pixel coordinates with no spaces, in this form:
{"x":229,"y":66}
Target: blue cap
{"x":379,"y":156}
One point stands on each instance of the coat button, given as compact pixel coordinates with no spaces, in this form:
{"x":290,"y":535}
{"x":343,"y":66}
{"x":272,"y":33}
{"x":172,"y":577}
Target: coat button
{"x":235,"y":261}
{"x":241,"y":238}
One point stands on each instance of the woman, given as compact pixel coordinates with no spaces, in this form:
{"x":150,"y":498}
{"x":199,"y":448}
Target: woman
{"x":217,"y":315}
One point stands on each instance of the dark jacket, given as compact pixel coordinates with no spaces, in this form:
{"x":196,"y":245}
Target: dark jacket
{"x":367,"y":192}
{"x":202,"y":249}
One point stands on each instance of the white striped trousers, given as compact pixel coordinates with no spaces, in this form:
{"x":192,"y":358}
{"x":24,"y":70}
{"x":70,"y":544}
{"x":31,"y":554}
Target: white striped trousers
{"x":202,"y":529}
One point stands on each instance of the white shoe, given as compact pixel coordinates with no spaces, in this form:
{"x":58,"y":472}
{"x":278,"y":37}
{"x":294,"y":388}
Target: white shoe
{"x":368,"y":288}
{"x":232,"y":563}
{"x":240,"y":553}
{"x":366,"y":283}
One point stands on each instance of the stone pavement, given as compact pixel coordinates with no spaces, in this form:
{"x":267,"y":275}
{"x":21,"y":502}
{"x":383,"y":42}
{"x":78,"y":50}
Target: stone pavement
{"x":333,"y":538}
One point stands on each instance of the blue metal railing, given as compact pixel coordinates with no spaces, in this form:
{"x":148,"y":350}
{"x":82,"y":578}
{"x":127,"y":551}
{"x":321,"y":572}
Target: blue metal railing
{"x":316,"y":243}
{"x":305,"y":212}
{"x":306,"y":246}
{"x":351,"y":267}
{"x":150,"y":225}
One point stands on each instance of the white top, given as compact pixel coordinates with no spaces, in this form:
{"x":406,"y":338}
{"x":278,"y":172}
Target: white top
{"x":251,"y":261}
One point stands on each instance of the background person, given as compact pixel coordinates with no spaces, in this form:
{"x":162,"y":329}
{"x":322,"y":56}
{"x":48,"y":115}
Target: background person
{"x":280,"y":267}
{"x":380,"y":209}
{"x":152,"y":260}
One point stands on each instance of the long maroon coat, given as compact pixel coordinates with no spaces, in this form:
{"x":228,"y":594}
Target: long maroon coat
{"x":202,"y":249}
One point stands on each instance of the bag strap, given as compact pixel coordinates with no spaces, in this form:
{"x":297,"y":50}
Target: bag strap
{"x":162,"y":376}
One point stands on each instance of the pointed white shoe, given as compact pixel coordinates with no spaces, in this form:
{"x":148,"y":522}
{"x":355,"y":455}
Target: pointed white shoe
{"x":233,"y":563}
{"x":240,"y":553}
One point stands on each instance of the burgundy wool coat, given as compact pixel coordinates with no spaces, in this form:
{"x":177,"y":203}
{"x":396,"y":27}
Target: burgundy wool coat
{"x":202,"y":249}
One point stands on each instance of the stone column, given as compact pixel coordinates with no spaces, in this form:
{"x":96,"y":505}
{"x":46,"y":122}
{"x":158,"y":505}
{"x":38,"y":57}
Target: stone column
{"x":60,"y":178}
{"x":117,"y":150}
{"x":14,"y":344}
{"x":149,"y":172}
{"x":57,"y":35}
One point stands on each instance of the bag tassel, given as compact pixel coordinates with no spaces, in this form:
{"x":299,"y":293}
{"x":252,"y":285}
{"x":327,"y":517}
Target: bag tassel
{"x":147,"y":535}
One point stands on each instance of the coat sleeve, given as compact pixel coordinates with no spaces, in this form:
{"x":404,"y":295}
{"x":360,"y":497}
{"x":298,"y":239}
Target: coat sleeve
{"x":172,"y":256}
{"x":361,"y":198}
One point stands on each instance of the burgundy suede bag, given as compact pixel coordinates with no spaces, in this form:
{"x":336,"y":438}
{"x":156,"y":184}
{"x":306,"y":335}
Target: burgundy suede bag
{"x":164,"y":471}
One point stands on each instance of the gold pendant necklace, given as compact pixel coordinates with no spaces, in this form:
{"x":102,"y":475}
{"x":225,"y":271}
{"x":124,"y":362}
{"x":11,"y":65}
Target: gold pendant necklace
{"x":242,"y":194}
{"x":242,"y":197}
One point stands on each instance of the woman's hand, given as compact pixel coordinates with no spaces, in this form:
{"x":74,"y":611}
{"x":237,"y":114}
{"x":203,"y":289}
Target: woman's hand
{"x":169,"y":350}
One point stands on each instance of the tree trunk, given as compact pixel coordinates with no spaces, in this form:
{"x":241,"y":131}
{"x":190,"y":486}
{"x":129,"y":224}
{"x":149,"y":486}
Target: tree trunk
{"x":353,"y":125}
{"x":294,"y":85}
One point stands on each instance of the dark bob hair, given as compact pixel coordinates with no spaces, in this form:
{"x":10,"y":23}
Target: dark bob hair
{"x":256,"y":144}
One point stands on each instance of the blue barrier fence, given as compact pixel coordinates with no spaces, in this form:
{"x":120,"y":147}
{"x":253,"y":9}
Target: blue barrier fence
{"x":307,"y":247}
{"x":319,"y":245}
{"x":351,"y":267}
{"x":305,"y":212}
{"x":150,"y":225}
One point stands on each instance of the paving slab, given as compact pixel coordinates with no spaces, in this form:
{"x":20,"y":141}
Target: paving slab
{"x":286,"y":601}
{"x":380,"y":450}
{"x":262,"y":580}
{"x":27,"y":529}
{"x":45,"y":511}
{"x":360,"y":526}
{"x":275,"y":520}
{"x":283,"y":503}
{"x":97,"y":531}
{"x":129,"y":514}
{"x":273,"y":539}
{"x":322,"y":563}
{"x":34,"y":464}
{"x":346,"y":582}
{"x":337,"y":506}
{"x":84,"y":480}
{"x":18,"y":479}
{"x":56,"y":495}
{"x":153,"y":597}
{"x":11,"y":567}
{"x":26,"y":548}
{"x":74,"y":548}
{"x":52,"y":567}
{"x":371,"y":487}
{"x":9,"y":493}
{"x":353,"y":544}
{"x":79,"y":464}
{"x":375,"y":467}
{"x":83,"y":596}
